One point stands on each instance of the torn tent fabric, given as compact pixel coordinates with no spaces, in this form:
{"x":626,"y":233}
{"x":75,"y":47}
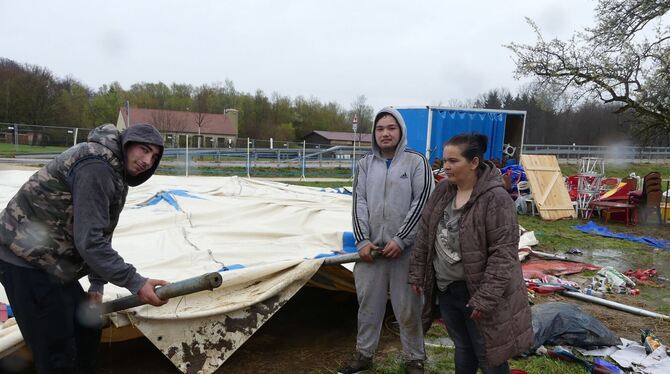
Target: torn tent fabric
{"x":263,"y":237}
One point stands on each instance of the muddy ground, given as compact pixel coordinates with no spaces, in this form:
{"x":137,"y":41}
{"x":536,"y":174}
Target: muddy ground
{"x":315,"y":332}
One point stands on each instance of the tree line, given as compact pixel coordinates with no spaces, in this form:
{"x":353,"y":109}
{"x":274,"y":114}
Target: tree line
{"x":31,"y":94}
{"x":550,"y":121}
{"x":623,"y":61}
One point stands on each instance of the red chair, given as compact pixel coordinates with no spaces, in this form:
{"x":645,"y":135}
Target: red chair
{"x":572,"y":183}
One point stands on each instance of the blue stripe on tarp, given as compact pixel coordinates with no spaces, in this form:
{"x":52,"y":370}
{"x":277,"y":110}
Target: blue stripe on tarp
{"x":231,"y":267}
{"x":593,"y":228}
{"x":348,"y":245}
{"x":168,"y":197}
{"x":349,"y":242}
{"x":339,"y":190}
{"x":322,"y":255}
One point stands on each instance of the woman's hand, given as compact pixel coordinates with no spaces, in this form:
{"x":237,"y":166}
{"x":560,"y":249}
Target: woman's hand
{"x":417,"y":290}
{"x":476,"y":315}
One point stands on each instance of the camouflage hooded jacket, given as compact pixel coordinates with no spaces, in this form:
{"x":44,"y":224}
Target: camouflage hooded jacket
{"x":37,"y":225}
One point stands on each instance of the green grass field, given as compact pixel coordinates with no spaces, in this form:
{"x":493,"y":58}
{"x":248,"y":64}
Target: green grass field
{"x":10,"y":150}
{"x":623,"y":170}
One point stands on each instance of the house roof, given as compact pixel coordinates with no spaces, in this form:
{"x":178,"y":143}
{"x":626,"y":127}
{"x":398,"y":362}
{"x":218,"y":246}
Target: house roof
{"x":344,"y":136}
{"x":182,"y":122}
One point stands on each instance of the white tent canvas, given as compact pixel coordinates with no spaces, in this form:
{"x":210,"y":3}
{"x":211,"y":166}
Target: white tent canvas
{"x":263,"y":237}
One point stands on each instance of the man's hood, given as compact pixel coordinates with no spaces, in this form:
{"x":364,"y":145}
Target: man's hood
{"x":402,"y":144}
{"x":141,"y":133}
{"x":108,"y":136}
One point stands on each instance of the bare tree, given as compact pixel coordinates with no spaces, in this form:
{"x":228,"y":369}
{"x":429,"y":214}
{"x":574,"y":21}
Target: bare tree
{"x":169,"y":121}
{"x":201,"y":106}
{"x":620,"y":60}
{"x":364,"y":113}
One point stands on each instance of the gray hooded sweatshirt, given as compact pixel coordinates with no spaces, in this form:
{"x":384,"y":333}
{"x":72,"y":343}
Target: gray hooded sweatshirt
{"x":388,"y":200}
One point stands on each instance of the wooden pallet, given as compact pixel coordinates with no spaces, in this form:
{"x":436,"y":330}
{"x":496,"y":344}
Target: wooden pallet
{"x":546,"y":184}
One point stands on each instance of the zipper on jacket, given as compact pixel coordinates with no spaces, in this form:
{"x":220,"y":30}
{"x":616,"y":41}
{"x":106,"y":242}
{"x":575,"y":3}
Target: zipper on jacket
{"x":384,"y":201}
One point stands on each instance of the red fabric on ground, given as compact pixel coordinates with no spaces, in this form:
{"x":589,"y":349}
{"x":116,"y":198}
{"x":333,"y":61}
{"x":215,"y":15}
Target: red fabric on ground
{"x":536,"y":268}
{"x":643,"y":276}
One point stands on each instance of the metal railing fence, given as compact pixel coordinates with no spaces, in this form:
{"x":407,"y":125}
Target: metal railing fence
{"x":613,"y":152}
{"x":267,"y":157}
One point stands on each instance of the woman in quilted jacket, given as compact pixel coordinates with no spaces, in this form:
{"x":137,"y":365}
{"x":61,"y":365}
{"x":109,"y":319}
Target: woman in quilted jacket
{"x":465,"y":261}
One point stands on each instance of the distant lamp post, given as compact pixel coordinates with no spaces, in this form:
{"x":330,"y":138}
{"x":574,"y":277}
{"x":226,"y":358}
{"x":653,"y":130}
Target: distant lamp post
{"x":354,"y":126}
{"x":186,"y":155}
{"x":248,"y":158}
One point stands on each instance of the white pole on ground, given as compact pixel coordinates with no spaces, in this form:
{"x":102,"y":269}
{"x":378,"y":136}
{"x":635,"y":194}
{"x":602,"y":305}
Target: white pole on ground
{"x":76,"y":131}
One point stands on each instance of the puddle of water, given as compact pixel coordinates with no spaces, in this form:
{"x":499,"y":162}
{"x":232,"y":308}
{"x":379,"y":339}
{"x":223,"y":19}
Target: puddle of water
{"x":444,"y":341}
{"x":624,"y":259}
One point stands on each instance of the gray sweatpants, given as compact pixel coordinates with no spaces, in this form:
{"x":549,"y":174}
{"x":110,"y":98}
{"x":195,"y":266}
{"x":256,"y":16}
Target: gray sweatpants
{"x":373,"y":282}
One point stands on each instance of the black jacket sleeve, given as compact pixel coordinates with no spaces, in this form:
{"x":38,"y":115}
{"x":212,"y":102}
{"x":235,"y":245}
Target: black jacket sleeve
{"x":92,"y":185}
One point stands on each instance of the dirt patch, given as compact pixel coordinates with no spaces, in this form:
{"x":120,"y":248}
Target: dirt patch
{"x":314,"y":332}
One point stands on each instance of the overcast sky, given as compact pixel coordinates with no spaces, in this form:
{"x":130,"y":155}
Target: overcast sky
{"x":395,"y":52}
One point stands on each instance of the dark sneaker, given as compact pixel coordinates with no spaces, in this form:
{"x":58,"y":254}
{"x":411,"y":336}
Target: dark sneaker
{"x":358,"y":364}
{"x":414,"y":367}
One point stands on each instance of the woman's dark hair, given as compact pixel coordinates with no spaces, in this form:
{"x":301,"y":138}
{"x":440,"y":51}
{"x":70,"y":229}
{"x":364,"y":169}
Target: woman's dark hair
{"x":472,"y":145}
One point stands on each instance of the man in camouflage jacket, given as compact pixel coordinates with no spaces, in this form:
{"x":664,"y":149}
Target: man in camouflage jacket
{"x":58,"y":228}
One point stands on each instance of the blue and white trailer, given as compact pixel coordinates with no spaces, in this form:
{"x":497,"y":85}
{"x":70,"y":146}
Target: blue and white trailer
{"x":429,"y":127}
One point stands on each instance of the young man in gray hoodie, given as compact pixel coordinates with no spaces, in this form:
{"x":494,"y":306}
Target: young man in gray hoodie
{"x":58,"y":228}
{"x":391,"y":186}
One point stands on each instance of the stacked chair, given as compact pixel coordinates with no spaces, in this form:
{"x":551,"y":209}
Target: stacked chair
{"x":648,"y":201}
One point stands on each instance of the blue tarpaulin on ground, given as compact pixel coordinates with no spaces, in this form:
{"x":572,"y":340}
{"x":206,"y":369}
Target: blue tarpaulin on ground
{"x":593,"y":228}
